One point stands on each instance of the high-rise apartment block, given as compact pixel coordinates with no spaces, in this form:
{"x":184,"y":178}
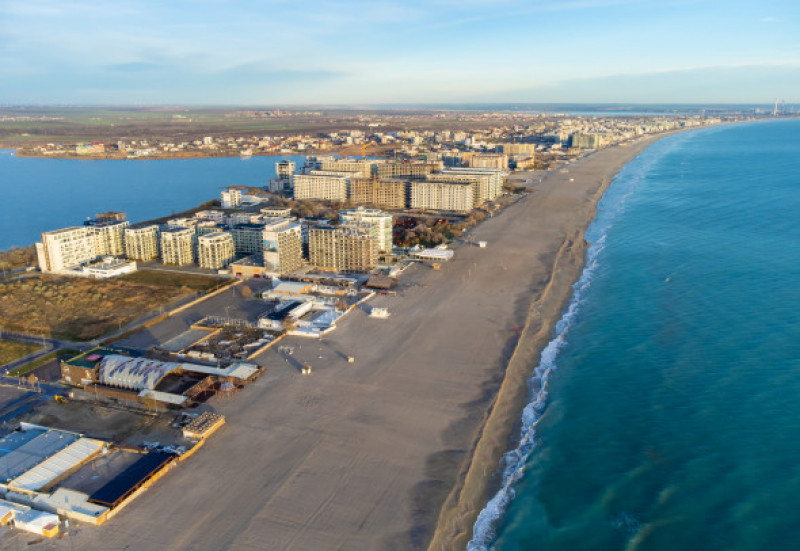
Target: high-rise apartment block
{"x":282,"y":246}
{"x":109,"y":238}
{"x":444,"y":196}
{"x":321,"y":185}
{"x":342,"y":249}
{"x":177,"y":246}
{"x":248,"y":238}
{"x":487,"y":183}
{"x":389,"y":193}
{"x":231,"y":198}
{"x":215,"y":250}
{"x":63,"y":249}
{"x":376,"y":222}
{"x":141,"y":244}
{"x":489,"y":160}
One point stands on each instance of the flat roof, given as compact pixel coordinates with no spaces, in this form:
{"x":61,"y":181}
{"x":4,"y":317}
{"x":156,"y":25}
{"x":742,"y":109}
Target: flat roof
{"x":124,"y":484}
{"x":32,"y":451}
{"x":57,"y":465}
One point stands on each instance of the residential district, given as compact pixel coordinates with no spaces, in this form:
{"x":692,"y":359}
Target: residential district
{"x":305,"y":267}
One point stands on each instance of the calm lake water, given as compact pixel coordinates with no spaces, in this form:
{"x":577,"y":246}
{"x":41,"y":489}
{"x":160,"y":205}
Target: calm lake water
{"x":38,"y":195}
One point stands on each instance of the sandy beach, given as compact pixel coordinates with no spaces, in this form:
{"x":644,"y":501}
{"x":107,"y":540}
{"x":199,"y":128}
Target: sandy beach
{"x":369,"y":455}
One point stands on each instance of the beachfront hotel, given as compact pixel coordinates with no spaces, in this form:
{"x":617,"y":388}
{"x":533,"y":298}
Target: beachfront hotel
{"x":342,"y":249}
{"x":376,"y":222}
{"x":215,"y":250}
{"x":141,"y":244}
{"x":487,"y":183}
{"x":177,"y":246}
{"x":444,"y":196}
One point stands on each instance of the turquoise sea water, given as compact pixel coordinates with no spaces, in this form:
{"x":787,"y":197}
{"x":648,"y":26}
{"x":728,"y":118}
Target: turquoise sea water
{"x":670,"y":415}
{"x":38,"y":195}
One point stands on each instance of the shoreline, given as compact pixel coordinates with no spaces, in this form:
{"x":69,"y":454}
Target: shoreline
{"x":475,"y":478}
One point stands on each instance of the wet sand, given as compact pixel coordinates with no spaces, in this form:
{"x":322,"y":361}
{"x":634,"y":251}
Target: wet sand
{"x":365,"y":455}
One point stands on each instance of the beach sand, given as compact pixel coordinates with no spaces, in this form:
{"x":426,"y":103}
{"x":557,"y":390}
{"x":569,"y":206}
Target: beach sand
{"x":368,"y":455}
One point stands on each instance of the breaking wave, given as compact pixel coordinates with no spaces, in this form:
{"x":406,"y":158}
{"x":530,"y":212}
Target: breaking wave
{"x":514,"y":461}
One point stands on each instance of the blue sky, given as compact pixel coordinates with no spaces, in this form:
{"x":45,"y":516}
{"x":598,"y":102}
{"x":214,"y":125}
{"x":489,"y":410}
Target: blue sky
{"x":366,"y":52}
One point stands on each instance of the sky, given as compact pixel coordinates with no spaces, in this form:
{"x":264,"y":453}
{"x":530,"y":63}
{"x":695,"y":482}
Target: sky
{"x":282,"y":52}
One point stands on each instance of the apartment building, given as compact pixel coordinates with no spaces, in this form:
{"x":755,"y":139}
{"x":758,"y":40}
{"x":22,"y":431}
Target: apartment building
{"x":215,"y":250}
{"x":489,"y":160}
{"x":177,"y":246}
{"x":408,"y":169}
{"x":342,"y":249}
{"x":322,"y":186}
{"x":109,"y":238}
{"x":282,"y":246}
{"x":231,"y":198}
{"x":64,"y":249}
{"x":248,"y":238}
{"x":141,"y":244}
{"x":445,"y":196}
{"x":487,"y":183}
{"x":586,"y":141}
{"x":388,"y":193}
{"x":357,"y":167}
{"x":376,"y":222}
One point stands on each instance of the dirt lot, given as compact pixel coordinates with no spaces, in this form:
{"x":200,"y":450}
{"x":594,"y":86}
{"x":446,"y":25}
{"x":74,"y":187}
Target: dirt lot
{"x":84,"y":309}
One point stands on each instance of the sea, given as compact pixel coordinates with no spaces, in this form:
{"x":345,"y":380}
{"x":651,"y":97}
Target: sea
{"x":40,"y":194}
{"x":669,"y":417}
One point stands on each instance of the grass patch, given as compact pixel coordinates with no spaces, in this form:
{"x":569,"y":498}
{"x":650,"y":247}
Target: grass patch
{"x":190,"y":282}
{"x":39,"y":362}
{"x":12,"y":350}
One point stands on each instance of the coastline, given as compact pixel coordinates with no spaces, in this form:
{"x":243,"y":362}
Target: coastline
{"x":470,"y":494}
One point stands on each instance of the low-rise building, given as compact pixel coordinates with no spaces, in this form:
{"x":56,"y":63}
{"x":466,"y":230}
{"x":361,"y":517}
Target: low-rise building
{"x":215,"y":250}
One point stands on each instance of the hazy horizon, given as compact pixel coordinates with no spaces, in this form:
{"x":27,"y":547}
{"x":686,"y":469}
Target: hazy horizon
{"x":210,"y":52}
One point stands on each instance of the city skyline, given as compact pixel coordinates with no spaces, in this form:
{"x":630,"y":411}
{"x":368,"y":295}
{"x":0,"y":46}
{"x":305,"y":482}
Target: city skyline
{"x":255,"y":53}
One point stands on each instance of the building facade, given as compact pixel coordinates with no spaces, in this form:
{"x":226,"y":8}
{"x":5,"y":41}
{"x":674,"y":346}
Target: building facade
{"x":248,"y":238}
{"x":321,"y":187}
{"x":177,"y":246}
{"x":231,"y":198}
{"x":61,"y":250}
{"x":141,"y":244}
{"x":282,"y":246}
{"x":487,"y":183}
{"x":378,"y":223}
{"x":342,"y":249}
{"x":378,"y":192}
{"x":215,"y":250}
{"x":109,"y":238}
{"x":444,"y":196}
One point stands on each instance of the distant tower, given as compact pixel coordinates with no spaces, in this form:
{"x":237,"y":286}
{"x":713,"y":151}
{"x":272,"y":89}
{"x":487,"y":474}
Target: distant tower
{"x":775,"y":111}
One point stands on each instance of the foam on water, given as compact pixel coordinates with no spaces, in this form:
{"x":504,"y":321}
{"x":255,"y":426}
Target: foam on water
{"x":513,"y":462}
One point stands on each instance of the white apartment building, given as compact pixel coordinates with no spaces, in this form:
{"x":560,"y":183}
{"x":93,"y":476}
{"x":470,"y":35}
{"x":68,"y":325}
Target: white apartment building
{"x":446,"y":196}
{"x":342,"y":249}
{"x":377,"y":222}
{"x":487,"y":182}
{"x":177,"y":246}
{"x":61,"y":250}
{"x":231,"y":198}
{"x":141,"y":244}
{"x":109,"y":238}
{"x":215,"y":250}
{"x":321,"y":186}
{"x":282,"y":246}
